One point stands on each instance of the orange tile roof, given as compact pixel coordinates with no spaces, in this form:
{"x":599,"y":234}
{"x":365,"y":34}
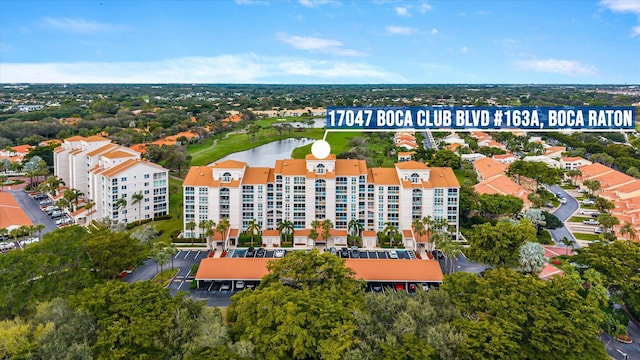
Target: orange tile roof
{"x":255,"y":175}
{"x":368,"y":269}
{"x":347,"y":167}
{"x":270,"y":233}
{"x":311,"y":157}
{"x":487,"y":167}
{"x":549,"y":271}
{"x":290,"y":167}
{"x":442,"y":177}
{"x":74,"y":138}
{"x":11,"y":214}
{"x":95,"y":138}
{"x":554,"y":149}
{"x":573,"y":159}
{"x":23,"y":149}
{"x":411,"y":164}
{"x":141,"y":148}
{"x":229,"y":164}
{"x":199,"y":176}
{"x":503,"y":156}
{"x":102,"y":149}
{"x":117,"y":154}
{"x":503,"y":185}
{"x":384,"y":176}
{"x":127,"y":165}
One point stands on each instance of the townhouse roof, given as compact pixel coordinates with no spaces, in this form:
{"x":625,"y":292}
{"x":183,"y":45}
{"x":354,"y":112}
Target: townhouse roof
{"x":573,"y":159}
{"x":554,"y":149}
{"x":23,"y":149}
{"x":442,"y":177}
{"x":291,"y":167}
{"x":254,"y":269}
{"x":311,"y":157}
{"x":198,"y":176}
{"x":270,"y":233}
{"x":548,"y":271}
{"x":503,"y":185}
{"x":74,"y":138}
{"x":95,"y":138}
{"x":503,"y":156}
{"x":11,"y":214}
{"x":607,"y":176}
{"x":141,"y":148}
{"x":488,"y":167}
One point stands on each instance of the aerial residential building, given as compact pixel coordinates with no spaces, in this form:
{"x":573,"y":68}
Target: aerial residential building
{"x":305,"y":190}
{"x":573,"y":163}
{"x":106,"y":172}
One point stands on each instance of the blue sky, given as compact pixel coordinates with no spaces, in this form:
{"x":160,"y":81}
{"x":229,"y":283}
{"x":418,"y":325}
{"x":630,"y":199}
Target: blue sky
{"x":321,"y":41}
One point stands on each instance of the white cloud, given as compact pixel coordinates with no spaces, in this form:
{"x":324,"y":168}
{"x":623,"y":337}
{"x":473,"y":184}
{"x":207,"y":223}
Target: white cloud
{"x":400,"y":30}
{"x":434,"y":31}
{"x":78,"y":25}
{"x":424,"y":7}
{"x":402,"y":11}
{"x":314,"y":3}
{"x":564,"y":67}
{"x":231,"y":68}
{"x":632,"y":6}
{"x":316,"y":44}
{"x":635,"y":31}
{"x":464,"y":50}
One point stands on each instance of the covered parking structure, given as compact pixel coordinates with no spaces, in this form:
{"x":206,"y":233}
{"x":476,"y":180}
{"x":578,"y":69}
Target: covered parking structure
{"x":390,"y":271}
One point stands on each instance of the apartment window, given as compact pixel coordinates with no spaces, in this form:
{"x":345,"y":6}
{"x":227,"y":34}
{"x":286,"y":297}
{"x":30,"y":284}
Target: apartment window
{"x":146,"y":176}
{"x":415,"y":178}
{"x":124,"y":187}
{"x":226,"y":177}
{"x":146,"y":184}
{"x":123,"y":179}
{"x":146,"y":192}
{"x":320,"y":169}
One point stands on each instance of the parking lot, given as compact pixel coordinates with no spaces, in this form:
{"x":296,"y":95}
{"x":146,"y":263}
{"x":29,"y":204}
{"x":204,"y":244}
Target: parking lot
{"x":344,"y":253}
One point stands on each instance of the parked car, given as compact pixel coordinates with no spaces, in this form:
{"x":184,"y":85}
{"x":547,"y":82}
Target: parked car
{"x":587,"y":202}
{"x":399,"y":287}
{"x":587,"y":212}
{"x":563,"y":200}
{"x":559,"y":195}
{"x":598,"y":230}
{"x":239,"y":284}
{"x":425,"y":286}
{"x":437,"y":254}
{"x":226,"y":286}
{"x":260,"y":252}
{"x":354,"y":252}
{"x":251,"y":252}
{"x":333,"y":250}
{"x":376,"y":287}
{"x":344,"y":252}
{"x":393,"y":254}
{"x":278,"y":253}
{"x":590,"y":222}
{"x":595,"y":214}
{"x":412,"y":288}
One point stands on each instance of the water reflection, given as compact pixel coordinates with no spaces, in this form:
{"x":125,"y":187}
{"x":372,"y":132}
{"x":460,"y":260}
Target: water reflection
{"x":267,"y":154}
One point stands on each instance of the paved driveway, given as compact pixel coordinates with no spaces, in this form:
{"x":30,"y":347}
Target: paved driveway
{"x":32,"y":209}
{"x":563,"y":212}
{"x":616,"y":349}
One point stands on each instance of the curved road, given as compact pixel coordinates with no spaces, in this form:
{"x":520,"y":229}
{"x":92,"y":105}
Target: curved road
{"x":564,"y":212}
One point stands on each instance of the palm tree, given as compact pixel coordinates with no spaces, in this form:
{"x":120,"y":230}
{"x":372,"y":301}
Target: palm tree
{"x":327,"y":225}
{"x":628,"y":229}
{"x":223,"y":226}
{"x":355,"y":227}
{"x":253,"y":228}
{"x":121,"y":204}
{"x":39,"y":228}
{"x":391,"y":231}
{"x":191,"y":225}
{"x":569,"y":243}
{"x":286,"y":228}
{"x":3,"y":179}
{"x":418,"y":229}
{"x":451,"y":250}
{"x":136,"y":198}
{"x":63,"y":203}
{"x":75,"y":195}
{"x":88,"y":206}
{"x":209,"y":234}
{"x":3,"y":232}
{"x":53,"y":183}
{"x":203,"y":225}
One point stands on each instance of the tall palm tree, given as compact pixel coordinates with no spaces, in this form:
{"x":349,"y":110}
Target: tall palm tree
{"x":63,"y":203}
{"x":121,"y":204}
{"x":88,"y":206}
{"x":3,"y":179}
{"x":136,"y":198}
{"x":223,"y":226}
{"x":628,"y":229}
{"x":209,"y":234}
{"x":286,"y":228}
{"x":203,"y":225}
{"x":39,"y":228}
{"x":451,"y":250}
{"x":53,"y":183}
{"x":327,"y":225}
{"x":191,"y":225}
{"x":253,"y":228}
{"x":419,"y":230}
{"x":355,"y":227}
{"x":3,"y":232}
{"x":391,"y":231}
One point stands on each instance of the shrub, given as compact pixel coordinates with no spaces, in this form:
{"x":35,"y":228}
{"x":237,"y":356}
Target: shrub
{"x":193,"y":285}
{"x":162,"y":217}
{"x":194,"y":268}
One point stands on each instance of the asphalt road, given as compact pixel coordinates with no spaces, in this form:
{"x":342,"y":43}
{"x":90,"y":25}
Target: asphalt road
{"x":564,"y":212}
{"x":462,"y":264}
{"x":616,"y":349}
{"x":427,"y":142}
{"x":32,"y":209}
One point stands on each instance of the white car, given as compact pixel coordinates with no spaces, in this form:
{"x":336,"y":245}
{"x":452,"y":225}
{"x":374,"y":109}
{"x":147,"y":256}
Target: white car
{"x":239,"y":284}
{"x":591,"y":222}
{"x":278,"y":253}
{"x":588,"y":202}
{"x":393,"y":254}
{"x":587,"y":212}
{"x":563,"y":200}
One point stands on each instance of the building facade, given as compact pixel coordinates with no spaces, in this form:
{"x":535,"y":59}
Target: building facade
{"x":306,"y":190}
{"x":105,"y":173}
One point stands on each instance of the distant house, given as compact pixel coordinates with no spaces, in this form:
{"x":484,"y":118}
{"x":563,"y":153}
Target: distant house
{"x":405,"y":155}
{"x":554,"y":152}
{"x":573,"y":163}
{"x":507,"y":158}
{"x":544,"y":159}
{"x":486,"y":168}
{"x":503,"y":185}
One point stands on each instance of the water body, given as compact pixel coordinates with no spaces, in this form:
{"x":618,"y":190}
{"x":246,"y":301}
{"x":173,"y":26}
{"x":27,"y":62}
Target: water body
{"x":267,"y":154}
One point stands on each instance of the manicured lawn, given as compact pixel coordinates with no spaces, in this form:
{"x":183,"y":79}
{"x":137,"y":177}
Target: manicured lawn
{"x":587,"y":237}
{"x":579,"y":219}
{"x":339,"y":142}
{"x":545,"y":237}
{"x":163,"y":277}
{"x":175,"y":210}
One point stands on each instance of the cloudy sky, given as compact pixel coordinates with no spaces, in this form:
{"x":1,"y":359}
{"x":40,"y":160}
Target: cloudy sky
{"x":320,"y":41}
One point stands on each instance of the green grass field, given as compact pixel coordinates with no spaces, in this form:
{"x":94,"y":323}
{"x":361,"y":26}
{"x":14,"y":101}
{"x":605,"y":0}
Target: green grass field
{"x":587,"y":237}
{"x":579,"y":219}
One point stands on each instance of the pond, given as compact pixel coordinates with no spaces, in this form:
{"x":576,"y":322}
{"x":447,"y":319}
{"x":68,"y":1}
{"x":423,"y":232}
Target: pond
{"x":267,"y":154}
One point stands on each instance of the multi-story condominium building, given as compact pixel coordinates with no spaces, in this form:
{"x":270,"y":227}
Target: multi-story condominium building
{"x":105,"y":173}
{"x":305,"y":190}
